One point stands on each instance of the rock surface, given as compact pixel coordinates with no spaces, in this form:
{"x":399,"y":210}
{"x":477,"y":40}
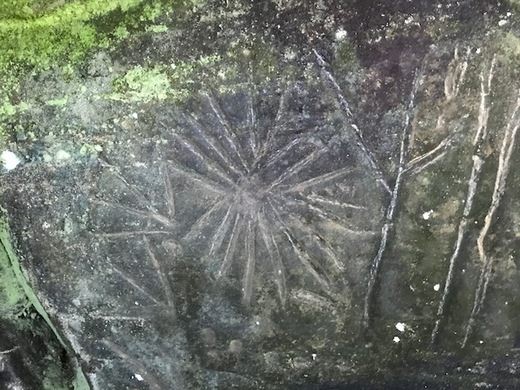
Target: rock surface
{"x":281,"y":194}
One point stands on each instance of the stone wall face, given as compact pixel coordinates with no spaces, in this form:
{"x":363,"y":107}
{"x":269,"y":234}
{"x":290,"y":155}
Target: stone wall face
{"x":278,"y":194}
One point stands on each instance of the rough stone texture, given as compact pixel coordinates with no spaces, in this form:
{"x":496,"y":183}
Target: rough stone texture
{"x":325,"y":198}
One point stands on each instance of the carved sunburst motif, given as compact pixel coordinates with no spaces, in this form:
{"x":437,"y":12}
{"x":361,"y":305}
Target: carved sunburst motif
{"x":257,"y":183}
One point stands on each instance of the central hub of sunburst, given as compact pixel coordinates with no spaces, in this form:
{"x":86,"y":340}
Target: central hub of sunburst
{"x":251,"y":195}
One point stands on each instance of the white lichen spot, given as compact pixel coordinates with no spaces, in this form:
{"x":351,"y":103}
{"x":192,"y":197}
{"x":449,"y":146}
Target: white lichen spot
{"x":62,"y":155}
{"x":427,"y":215}
{"x":9,"y":160}
{"x":437,"y":287}
{"x":396,"y":339}
{"x":139,"y":377}
{"x":290,"y":55}
{"x":340,"y":35}
{"x":400,"y":326}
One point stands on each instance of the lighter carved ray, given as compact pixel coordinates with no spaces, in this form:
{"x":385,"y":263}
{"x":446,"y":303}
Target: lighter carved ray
{"x":138,"y":367}
{"x":276,"y":260}
{"x":309,"y":298}
{"x":168,"y":293}
{"x":229,"y":135}
{"x":249,"y":274}
{"x":344,"y":105}
{"x":302,"y":255}
{"x":438,"y":157}
{"x":298,"y":167}
{"x":145,"y":214}
{"x":253,"y":142}
{"x":203,"y":221}
{"x":135,"y":285}
{"x":273,"y":129}
{"x":391,"y":209}
{"x":327,"y":216}
{"x":321,"y":179}
{"x":504,"y":164}
{"x":138,"y":194}
{"x":129,"y":234}
{"x":478,"y":161}
{"x":232,"y":246}
{"x":112,"y":317}
{"x":321,"y":243}
{"x":300,"y":252}
{"x":203,"y":181}
{"x":321,"y":199}
{"x":220,"y":232}
{"x":215,"y":169}
{"x":213,"y":145}
{"x":428,"y":157}
{"x":170,"y":199}
{"x":280,"y":153}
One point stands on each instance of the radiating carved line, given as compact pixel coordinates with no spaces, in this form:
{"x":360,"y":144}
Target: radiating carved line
{"x":327,"y":216}
{"x":302,"y":255}
{"x":145,"y":214}
{"x":375,"y":266}
{"x":453,"y":81}
{"x":298,"y":167}
{"x":331,"y":202}
{"x":168,"y":293}
{"x":274,"y":256}
{"x":463,"y":224}
{"x":321,"y":243}
{"x":170,"y":199}
{"x":137,"y":366}
{"x":198,"y":178}
{"x":253,"y":142}
{"x":461,"y":70}
{"x":203,"y":220}
{"x":428,"y":163}
{"x":310,"y":298}
{"x":282,"y":152}
{"x":249,"y":273}
{"x":215,"y":169}
{"x":345,"y":107}
{"x":130,"y":234}
{"x":229,"y":135}
{"x":139,"y":195}
{"x":213,"y":145}
{"x":220,"y":233}
{"x":504,"y":164}
{"x":483,"y":112}
{"x":476,"y":170}
{"x":321,"y":179}
{"x":135,"y":285}
{"x":419,"y":163}
{"x":273,"y":129}
{"x":108,"y":317}
{"x":232,"y":245}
